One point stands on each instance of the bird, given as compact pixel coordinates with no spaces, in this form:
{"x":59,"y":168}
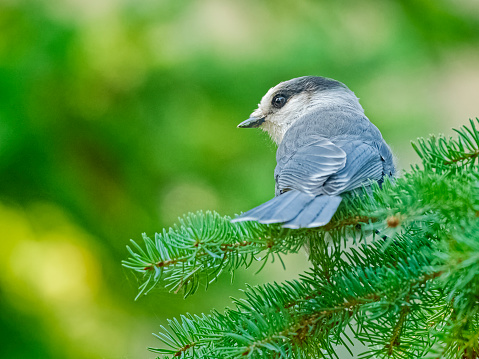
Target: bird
{"x":326,"y":147}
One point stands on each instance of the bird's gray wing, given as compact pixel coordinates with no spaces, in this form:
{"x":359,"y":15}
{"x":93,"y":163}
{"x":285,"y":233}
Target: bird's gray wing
{"x":306,"y":167}
{"x":364,"y":163}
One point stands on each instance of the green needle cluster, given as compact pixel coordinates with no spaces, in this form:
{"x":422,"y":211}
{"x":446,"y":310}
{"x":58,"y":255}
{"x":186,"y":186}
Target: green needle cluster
{"x":397,"y":269}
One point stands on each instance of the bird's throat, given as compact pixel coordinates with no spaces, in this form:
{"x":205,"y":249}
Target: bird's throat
{"x":276,"y":131}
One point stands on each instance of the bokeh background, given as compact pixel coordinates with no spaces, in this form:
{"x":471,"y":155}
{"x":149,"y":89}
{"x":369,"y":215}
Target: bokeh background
{"x":118,"y":116}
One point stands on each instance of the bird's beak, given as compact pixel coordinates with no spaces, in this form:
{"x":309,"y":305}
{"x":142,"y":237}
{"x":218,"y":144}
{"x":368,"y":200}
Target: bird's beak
{"x":252,"y":122}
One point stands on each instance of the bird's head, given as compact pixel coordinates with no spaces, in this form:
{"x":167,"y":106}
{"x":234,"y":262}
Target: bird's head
{"x":288,"y":101}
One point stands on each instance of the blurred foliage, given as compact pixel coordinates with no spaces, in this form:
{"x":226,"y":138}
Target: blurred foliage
{"x":118,"y":116}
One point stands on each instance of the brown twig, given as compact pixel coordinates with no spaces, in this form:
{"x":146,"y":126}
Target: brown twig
{"x":224,"y":247}
{"x":466,"y":156}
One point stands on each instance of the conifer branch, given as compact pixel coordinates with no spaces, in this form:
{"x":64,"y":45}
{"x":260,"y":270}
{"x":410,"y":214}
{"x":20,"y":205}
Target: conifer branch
{"x":412,"y":291}
{"x":440,"y":152}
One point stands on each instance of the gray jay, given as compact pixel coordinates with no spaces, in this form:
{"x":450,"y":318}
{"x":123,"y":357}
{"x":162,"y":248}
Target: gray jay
{"x":326,"y":147}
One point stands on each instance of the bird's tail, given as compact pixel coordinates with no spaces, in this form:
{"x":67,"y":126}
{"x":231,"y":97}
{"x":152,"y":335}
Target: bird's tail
{"x":295,"y":210}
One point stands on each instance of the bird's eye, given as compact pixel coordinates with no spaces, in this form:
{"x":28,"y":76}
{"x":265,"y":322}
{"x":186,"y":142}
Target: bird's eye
{"x":278,"y":101}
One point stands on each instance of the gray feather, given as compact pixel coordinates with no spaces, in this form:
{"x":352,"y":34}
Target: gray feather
{"x":310,"y":166}
{"x":317,"y":213}
{"x":363,"y":164}
{"x":257,"y":212}
{"x":286,"y":209}
{"x":327,"y":212}
{"x":277,"y":210}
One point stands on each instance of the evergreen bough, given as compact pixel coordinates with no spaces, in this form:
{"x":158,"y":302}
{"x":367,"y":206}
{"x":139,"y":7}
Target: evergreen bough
{"x":398,"y":266}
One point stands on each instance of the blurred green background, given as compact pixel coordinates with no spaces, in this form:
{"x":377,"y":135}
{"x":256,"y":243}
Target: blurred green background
{"x":118,"y":116}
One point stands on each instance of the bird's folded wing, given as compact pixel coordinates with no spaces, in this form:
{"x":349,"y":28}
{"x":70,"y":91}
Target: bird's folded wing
{"x":363,"y":164}
{"x":309,"y":166}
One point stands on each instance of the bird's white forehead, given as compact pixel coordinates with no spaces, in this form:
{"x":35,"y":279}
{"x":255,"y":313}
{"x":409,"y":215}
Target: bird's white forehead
{"x":265,"y":101}
{"x":263,"y":105}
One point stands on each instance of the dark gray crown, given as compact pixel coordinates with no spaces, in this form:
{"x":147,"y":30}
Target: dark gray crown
{"x":308,"y":84}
